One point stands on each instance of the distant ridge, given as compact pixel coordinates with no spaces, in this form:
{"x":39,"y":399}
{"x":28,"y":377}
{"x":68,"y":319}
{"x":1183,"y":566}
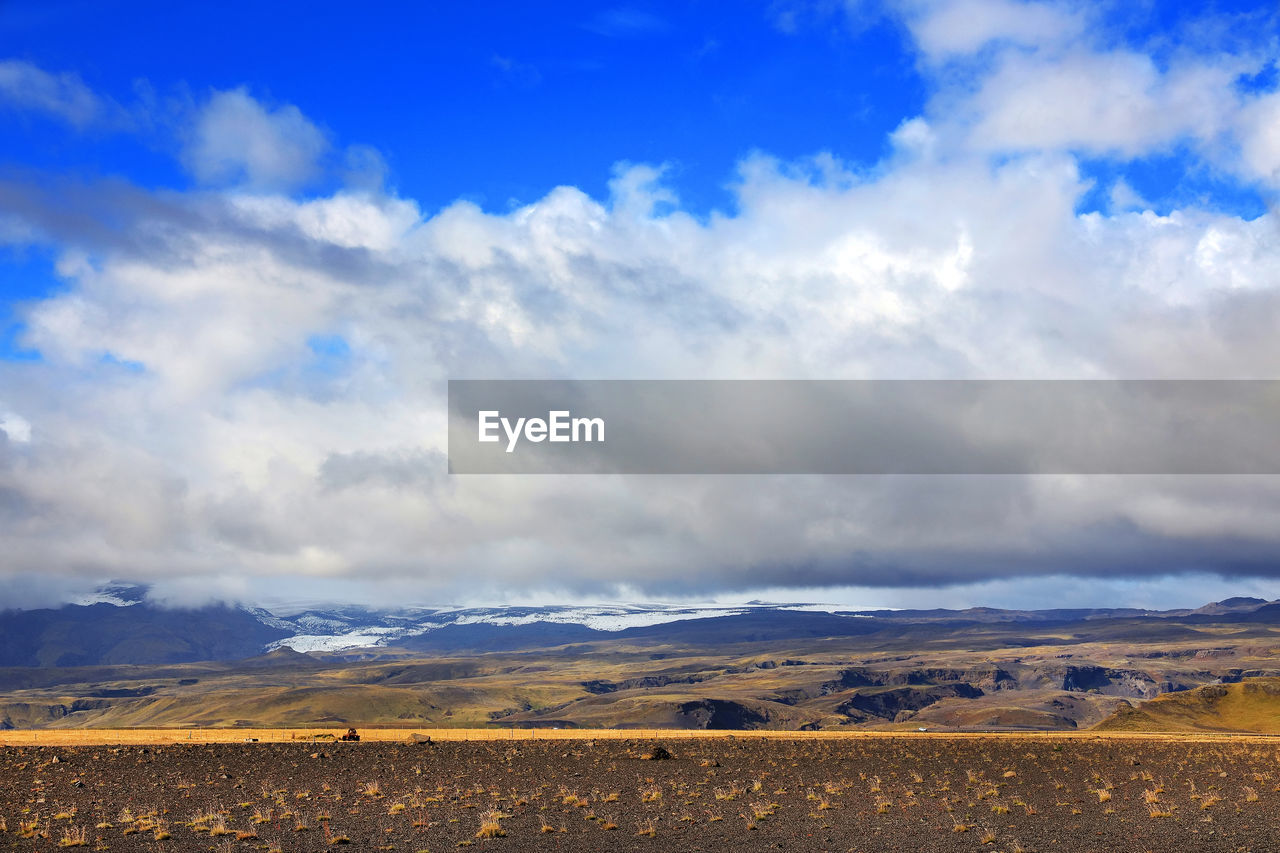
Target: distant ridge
{"x":1239,"y":604}
{"x":93,"y":634}
{"x":119,"y":625}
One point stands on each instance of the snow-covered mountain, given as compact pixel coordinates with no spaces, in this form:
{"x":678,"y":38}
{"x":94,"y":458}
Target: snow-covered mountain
{"x":351,"y":627}
{"x":328,"y":629}
{"x":120,"y":624}
{"x":119,"y":594}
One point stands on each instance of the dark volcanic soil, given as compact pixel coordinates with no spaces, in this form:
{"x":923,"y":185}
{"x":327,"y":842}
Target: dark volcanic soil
{"x":740,"y":794}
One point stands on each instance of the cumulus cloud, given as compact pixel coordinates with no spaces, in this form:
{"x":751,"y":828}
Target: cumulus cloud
{"x":238,"y":140}
{"x":1013,"y":76}
{"x":242,"y":387}
{"x":1101,"y":102}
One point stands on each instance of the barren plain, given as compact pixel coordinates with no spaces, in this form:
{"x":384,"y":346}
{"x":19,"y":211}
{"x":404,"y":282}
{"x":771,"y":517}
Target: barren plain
{"x":820,"y":792}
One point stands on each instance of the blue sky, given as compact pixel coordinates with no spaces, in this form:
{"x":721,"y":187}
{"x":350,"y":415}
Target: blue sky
{"x":500,"y":102}
{"x":494,"y":102}
{"x":242,"y":247}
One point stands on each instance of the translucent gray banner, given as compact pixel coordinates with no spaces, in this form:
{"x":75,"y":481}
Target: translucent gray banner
{"x":863,"y":427}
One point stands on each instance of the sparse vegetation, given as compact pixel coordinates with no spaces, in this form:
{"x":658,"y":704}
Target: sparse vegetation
{"x":496,"y":790}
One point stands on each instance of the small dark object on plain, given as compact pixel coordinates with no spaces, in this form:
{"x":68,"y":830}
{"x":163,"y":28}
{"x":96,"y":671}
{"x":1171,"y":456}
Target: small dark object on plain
{"x":350,"y":735}
{"x":659,"y":753}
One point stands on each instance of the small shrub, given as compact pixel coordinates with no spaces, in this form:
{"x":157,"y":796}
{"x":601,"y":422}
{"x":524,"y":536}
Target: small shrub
{"x":491,"y":825}
{"x":74,"y":837}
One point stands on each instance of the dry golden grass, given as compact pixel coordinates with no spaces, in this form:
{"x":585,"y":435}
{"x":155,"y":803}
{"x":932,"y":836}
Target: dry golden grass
{"x":490,"y":825}
{"x":150,"y":736}
{"x":1249,"y":706}
{"x":77,"y":837}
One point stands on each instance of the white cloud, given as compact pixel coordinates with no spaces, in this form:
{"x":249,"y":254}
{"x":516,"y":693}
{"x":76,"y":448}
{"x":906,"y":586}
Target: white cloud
{"x":1125,"y":197}
{"x":236,"y":140}
{"x":15,"y":427}
{"x":1113,"y":102}
{"x":1009,"y":76}
{"x":1259,"y":132}
{"x":347,"y":220}
{"x":945,"y":29}
{"x":64,"y":95}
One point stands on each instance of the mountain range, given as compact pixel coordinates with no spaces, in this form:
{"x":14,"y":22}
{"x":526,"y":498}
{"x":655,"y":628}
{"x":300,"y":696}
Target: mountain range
{"x":118,"y":625}
{"x":118,"y":659}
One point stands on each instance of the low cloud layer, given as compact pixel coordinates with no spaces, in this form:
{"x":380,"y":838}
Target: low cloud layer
{"x":239,"y":383}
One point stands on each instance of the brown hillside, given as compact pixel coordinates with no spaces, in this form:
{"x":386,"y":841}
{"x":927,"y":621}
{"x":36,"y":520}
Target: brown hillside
{"x":1253,"y":705}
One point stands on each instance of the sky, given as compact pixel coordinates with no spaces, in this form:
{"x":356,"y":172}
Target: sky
{"x":244,"y":247}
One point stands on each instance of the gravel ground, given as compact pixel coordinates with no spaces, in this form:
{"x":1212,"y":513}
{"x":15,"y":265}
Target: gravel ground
{"x":883,"y":794}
